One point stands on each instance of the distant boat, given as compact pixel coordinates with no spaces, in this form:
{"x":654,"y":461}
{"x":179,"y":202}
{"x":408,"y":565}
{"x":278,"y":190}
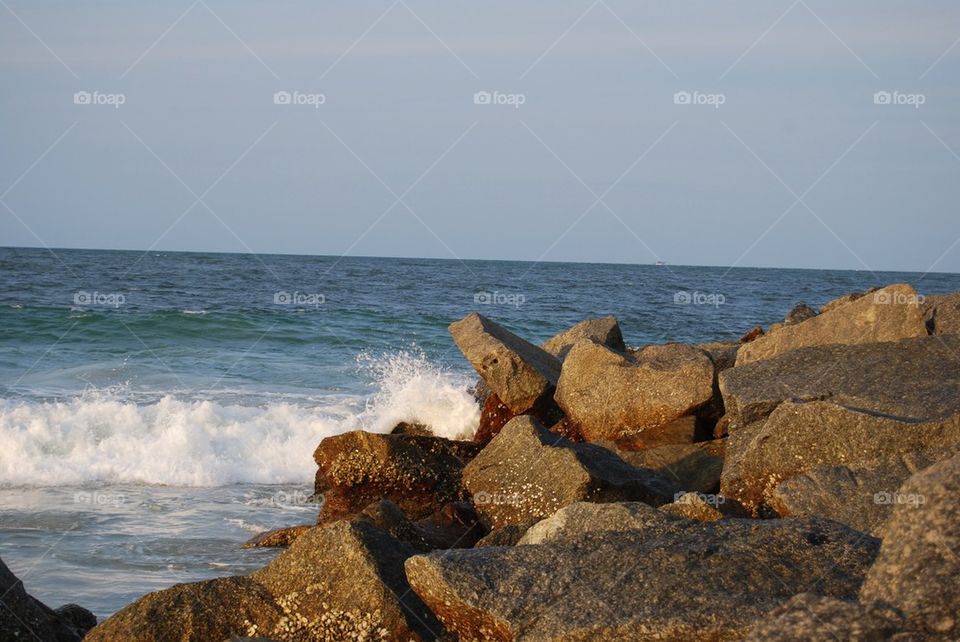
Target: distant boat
{"x":659,"y":263}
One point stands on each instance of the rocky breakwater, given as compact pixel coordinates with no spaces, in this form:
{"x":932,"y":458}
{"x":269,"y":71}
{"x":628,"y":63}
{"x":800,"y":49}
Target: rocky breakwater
{"x":800,"y":484}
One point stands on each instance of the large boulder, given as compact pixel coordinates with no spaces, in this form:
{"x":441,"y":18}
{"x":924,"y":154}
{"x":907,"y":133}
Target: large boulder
{"x":605,"y":331}
{"x":809,"y":617}
{"x":941,"y":312}
{"x":889,"y":314}
{"x":914,"y":379}
{"x":918,"y":569}
{"x":676,"y":580}
{"x":860,"y":497}
{"x":801,"y":437}
{"x":693,"y":467}
{"x":522,"y":375}
{"x":609,"y":395}
{"x":344,"y":581}
{"x":528,"y":472}
{"x":420,"y":474}
{"x":23,"y":617}
{"x":584,"y":517}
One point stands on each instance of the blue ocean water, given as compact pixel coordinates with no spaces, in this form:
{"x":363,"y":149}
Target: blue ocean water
{"x":158,"y":408}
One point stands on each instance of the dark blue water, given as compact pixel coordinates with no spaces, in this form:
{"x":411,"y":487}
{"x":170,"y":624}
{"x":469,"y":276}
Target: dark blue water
{"x":156,"y":409}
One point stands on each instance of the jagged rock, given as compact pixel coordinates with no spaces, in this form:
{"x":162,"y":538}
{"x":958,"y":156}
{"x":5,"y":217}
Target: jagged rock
{"x":584,"y":517}
{"x":521,"y":374}
{"x":751,"y":334}
{"x":605,"y":331}
{"x":23,"y":617}
{"x":277,"y":537}
{"x":528,"y":472}
{"x":693,"y":467}
{"x":918,"y":569}
{"x":609,"y":395}
{"x":941,"y":313}
{"x":420,"y":474}
{"x":507,"y":535}
{"x":800,"y":437}
{"x":456,"y":525}
{"x":845,"y":299}
{"x":862,"y":498}
{"x":800,"y":313}
{"x":915,"y":379}
{"x":675,"y":580}
{"x":890,"y":314}
{"x":342,"y":581}
{"x":407,"y":428}
{"x":723,"y":353}
{"x":495,"y":414}
{"x":682,"y":431}
{"x":695,"y":506}
{"x":808,"y":617}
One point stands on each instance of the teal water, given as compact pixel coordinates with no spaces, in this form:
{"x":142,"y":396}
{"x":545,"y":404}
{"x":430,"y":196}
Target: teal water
{"x":157,"y":409}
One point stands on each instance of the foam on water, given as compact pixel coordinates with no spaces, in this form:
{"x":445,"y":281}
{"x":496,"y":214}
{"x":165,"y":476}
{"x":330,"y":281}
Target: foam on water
{"x":104,"y":437}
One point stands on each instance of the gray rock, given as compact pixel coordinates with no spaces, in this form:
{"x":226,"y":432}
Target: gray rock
{"x":918,"y":569}
{"x":941,"y":312}
{"x":23,"y":617}
{"x":890,"y":314}
{"x":808,"y":617}
{"x":693,"y":467}
{"x":609,"y":395}
{"x":800,"y":313}
{"x":528,"y":472}
{"x":584,"y":517}
{"x":507,"y":535}
{"x":679,"y":580}
{"x":914,"y":379}
{"x":605,"y":331}
{"x":800,"y":437}
{"x":696,"y":506}
{"x":862,"y":498}
{"x":521,"y":374}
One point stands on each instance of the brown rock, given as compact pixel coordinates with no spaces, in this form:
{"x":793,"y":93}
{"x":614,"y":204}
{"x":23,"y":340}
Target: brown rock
{"x":753,"y":333}
{"x":808,"y":617}
{"x":890,"y":314}
{"x":696,"y":506}
{"x":420,"y":474}
{"x":608,"y":395}
{"x":693,"y":467}
{"x":845,"y":299}
{"x":528,"y":472}
{"x":23,"y":617}
{"x":507,"y":535}
{"x":521,"y":374}
{"x":277,"y":537}
{"x":800,"y":313}
{"x":495,"y":414}
{"x":605,"y":331}
{"x":941,"y":313}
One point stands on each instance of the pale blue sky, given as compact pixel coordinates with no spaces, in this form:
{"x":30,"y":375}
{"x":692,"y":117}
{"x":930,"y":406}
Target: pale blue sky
{"x":797,"y":168}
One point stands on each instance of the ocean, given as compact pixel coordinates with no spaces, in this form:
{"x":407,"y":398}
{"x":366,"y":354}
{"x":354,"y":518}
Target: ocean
{"x":157,"y":409}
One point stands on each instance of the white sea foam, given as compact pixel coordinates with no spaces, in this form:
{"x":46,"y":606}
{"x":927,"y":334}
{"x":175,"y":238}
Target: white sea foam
{"x":105,"y":437}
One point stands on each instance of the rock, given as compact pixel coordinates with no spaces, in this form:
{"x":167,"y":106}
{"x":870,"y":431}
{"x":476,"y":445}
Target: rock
{"x":507,"y":535}
{"x":583,"y":517}
{"x":693,"y":467}
{"x":890,"y":314}
{"x":845,"y":299}
{"x":23,"y":617}
{"x":494,"y":415}
{"x":800,"y":313}
{"x":682,"y":431}
{"x":808,"y":617}
{"x":695,"y":506}
{"x":342,"y":581}
{"x":915,"y":379}
{"x":722,"y":353}
{"x":677,"y":580}
{"x":941,"y":313}
{"x":521,"y":374}
{"x":528,"y":472}
{"x":420,"y":474}
{"x":800,"y":437}
{"x":862,"y":498}
{"x":277,"y":537}
{"x":610,"y":395}
{"x":605,"y":331}
{"x":753,"y":333}
{"x":918,"y":569}
{"x":406,"y":428}
{"x":456,"y":525}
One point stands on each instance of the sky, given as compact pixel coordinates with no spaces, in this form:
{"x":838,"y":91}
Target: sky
{"x":781,"y":133}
